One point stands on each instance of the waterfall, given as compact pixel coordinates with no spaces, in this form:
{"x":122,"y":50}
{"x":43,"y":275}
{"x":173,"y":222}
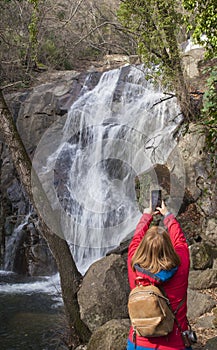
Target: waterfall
{"x":13,"y":245}
{"x":88,"y":160}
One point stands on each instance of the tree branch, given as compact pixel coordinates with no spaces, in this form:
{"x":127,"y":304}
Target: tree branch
{"x":73,"y":12}
{"x":163,"y":99}
{"x":10,"y":85}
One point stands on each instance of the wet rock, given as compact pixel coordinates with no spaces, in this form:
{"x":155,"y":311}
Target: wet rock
{"x":17,"y":197}
{"x":40,"y":259}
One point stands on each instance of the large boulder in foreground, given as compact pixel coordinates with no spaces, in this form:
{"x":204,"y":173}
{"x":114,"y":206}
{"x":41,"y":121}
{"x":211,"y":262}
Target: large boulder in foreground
{"x":104,"y":292}
{"x":111,"y":336}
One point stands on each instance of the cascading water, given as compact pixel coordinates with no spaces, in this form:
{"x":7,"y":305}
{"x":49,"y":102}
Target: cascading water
{"x":30,"y":307}
{"x":13,"y":245}
{"x":87,"y":162}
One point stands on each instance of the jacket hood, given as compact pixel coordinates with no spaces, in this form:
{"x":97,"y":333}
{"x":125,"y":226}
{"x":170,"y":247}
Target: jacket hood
{"x":156,"y":278}
{"x":165,"y":275}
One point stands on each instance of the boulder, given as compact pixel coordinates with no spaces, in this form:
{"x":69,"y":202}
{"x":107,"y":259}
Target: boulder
{"x":111,"y":336}
{"x":206,"y":321}
{"x":104,"y":292}
{"x":211,"y":344}
{"x":211,"y":229}
{"x":191,"y":59}
{"x":201,"y":256}
{"x":203,"y":279}
{"x":199,"y":304}
{"x":191,"y":150}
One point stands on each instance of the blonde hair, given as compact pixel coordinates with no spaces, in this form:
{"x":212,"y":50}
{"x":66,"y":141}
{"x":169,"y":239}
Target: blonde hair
{"x":155,"y":252}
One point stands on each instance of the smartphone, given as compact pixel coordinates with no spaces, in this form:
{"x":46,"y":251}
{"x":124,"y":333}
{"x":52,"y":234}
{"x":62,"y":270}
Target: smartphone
{"x":156,"y":199}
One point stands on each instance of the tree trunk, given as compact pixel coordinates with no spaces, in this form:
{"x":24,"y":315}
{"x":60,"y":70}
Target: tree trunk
{"x":174,"y":62}
{"x":179,"y":82}
{"x":182,"y":93}
{"x":69,"y":274}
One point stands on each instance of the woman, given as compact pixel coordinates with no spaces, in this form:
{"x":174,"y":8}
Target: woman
{"x":167,"y":256}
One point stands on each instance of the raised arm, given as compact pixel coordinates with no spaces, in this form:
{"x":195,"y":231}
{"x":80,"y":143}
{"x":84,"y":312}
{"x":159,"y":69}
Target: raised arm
{"x":176,"y":234}
{"x":140,"y":231}
{"x":175,"y":231}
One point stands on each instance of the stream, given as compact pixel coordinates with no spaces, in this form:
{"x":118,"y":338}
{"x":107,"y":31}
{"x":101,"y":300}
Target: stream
{"x":30,"y":312}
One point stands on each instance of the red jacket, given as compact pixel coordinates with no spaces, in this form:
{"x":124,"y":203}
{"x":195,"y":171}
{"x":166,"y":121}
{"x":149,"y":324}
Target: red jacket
{"x":175,"y":288}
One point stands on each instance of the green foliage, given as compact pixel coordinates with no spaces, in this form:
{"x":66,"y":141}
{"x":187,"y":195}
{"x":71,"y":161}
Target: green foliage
{"x":49,"y":54}
{"x":204,"y":23}
{"x":155,"y":26}
{"x":209,"y":116}
{"x":61,"y":15}
{"x":33,"y":31}
{"x":210,"y":96}
{"x":49,"y":47}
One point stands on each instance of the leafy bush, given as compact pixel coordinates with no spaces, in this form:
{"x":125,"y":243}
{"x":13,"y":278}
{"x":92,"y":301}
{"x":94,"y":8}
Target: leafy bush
{"x":209,"y":116}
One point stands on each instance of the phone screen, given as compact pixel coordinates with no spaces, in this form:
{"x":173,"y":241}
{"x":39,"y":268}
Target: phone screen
{"x":156,"y":199}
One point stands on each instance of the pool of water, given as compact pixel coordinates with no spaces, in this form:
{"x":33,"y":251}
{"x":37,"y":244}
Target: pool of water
{"x":31,"y":313}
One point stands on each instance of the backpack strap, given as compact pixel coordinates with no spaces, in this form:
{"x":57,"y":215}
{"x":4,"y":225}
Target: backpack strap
{"x":179,"y":305}
{"x":175,"y":312}
{"x":156,"y":278}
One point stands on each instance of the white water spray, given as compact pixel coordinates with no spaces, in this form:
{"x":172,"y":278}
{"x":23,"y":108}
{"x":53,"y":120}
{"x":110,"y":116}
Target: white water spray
{"x":13,"y":243}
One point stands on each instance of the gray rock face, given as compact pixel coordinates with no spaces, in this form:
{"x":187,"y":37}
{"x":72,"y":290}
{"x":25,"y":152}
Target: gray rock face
{"x":211,"y":344}
{"x":104,"y":292}
{"x":198,"y":181}
{"x":199,"y":304}
{"x":111,"y":336}
{"x":201,"y":256}
{"x":203,"y":279}
{"x":211,"y":229}
{"x":190,"y":146}
{"x":36,"y":110}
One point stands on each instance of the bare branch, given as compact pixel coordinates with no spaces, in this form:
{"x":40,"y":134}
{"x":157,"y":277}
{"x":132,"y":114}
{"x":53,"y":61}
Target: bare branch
{"x":93,"y":30}
{"x":9,"y":85}
{"x":163,"y":99}
{"x":73,"y":12}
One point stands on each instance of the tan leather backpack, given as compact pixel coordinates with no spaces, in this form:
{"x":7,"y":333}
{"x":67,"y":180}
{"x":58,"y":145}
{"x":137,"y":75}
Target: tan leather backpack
{"x":149,"y":311}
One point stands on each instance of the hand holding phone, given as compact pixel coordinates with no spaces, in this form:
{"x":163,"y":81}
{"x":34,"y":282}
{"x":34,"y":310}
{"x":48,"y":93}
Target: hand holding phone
{"x":162,"y":209}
